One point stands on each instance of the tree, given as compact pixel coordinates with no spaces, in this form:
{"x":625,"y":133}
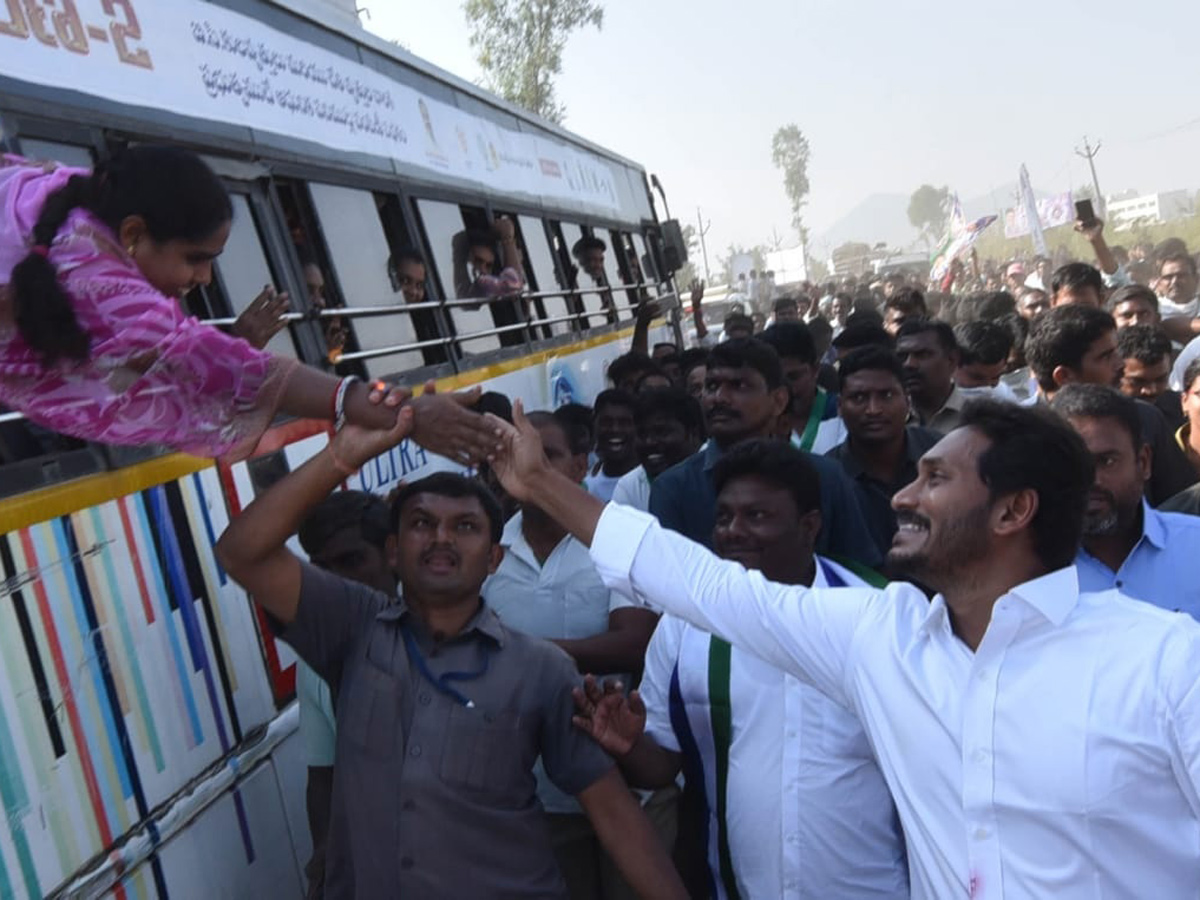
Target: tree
{"x":929,"y":210}
{"x":519,"y":45}
{"x":789,"y":153}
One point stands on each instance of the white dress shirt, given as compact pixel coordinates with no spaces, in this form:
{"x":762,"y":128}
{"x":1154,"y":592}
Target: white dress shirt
{"x":562,"y":598}
{"x":808,"y":815}
{"x":1060,"y":759}
{"x":633,"y":489}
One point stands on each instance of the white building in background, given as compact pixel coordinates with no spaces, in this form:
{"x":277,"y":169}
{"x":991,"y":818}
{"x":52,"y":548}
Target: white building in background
{"x":1125,"y":211}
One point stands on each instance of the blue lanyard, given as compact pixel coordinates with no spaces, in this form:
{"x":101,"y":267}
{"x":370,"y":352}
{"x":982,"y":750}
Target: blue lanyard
{"x":441,"y":683}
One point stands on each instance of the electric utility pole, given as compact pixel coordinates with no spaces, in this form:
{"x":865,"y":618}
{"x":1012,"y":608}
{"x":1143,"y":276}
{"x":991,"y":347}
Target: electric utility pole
{"x":1089,"y":153}
{"x":702,"y":230}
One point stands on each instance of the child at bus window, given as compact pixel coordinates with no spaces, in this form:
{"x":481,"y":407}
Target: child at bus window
{"x":94,"y":343}
{"x":475,"y":276}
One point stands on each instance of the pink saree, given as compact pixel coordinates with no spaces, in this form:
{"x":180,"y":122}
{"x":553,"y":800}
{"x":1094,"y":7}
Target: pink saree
{"x":154,"y":375}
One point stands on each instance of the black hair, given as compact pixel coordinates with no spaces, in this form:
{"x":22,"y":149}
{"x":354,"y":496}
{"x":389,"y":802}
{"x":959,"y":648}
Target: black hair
{"x":785,"y":302}
{"x":1036,"y":449}
{"x":341,"y":510}
{"x":1095,"y":401}
{"x":404,"y":254}
{"x":1061,"y":336}
{"x":778,"y":462}
{"x":908,"y":300}
{"x":629,"y":366}
{"x":674,"y":348}
{"x":1190,"y":374}
{"x":615,"y":397}
{"x":1018,"y":327}
{"x":1178,"y":256}
{"x":863,"y":334}
{"x":1147,"y":344}
{"x":942,"y":330}
{"x":479,"y":237}
{"x":791,"y":340}
{"x":870,"y":359}
{"x":1131,"y":292}
{"x":691,"y":358}
{"x":1074,"y":276}
{"x":995,"y":305}
{"x":673,"y":402}
{"x":586,"y":243}
{"x":576,"y":420}
{"x":172,"y":190}
{"x":495,"y":403}
{"x":748,"y":353}
{"x":1169,"y":247}
{"x":739,"y":320}
{"x":983,"y":341}
{"x":450,"y":484}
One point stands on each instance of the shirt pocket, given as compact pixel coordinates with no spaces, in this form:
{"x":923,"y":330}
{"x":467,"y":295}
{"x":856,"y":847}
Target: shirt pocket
{"x":371,"y":714}
{"x":486,"y":755}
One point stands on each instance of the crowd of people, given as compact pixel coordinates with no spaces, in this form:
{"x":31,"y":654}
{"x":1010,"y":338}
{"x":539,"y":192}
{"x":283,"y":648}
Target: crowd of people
{"x":886,"y":597}
{"x":881,"y":591}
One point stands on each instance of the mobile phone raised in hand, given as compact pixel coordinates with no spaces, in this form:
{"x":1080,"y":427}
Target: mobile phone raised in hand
{"x":1084,"y":213}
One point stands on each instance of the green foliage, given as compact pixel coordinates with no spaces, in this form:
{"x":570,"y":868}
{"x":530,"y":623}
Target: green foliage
{"x":789,"y":153}
{"x":519,"y":45}
{"x":929,"y":211}
{"x":993,"y":245}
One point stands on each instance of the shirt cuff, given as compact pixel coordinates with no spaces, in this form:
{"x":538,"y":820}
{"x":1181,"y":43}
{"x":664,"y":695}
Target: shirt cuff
{"x":1119,"y":278}
{"x":615,"y":545}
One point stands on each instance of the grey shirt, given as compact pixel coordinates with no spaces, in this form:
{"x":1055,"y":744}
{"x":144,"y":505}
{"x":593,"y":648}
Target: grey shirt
{"x":433,"y":798}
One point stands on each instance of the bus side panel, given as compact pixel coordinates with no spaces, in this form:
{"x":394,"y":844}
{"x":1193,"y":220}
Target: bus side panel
{"x":130,"y":664}
{"x":241,"y":845}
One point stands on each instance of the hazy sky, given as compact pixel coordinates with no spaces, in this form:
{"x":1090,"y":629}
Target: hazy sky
{"x":890,"y":95}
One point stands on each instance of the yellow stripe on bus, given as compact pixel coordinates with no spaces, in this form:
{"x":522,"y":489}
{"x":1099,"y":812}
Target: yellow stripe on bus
{"x":92,"y":490}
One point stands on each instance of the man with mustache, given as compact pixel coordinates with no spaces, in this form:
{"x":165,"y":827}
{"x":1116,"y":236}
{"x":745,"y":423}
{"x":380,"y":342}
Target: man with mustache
{"x":1038,"y":741}
{"x":442,"y":708}
{"x":744,"y":397}
{"x":1127,"y":544}
{"x":928,"y":351}
{"x":786,"y":776}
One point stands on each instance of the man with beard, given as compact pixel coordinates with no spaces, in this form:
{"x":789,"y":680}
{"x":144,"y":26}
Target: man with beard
{"x":1145,"y":554}
{"x":785,"y":775}
{"x":670,"y":428}
{"x":1077,"y":344}
{"x":744,"y":397}
{"x":929,"y":353}
{"x":615,"y":436}
{"x":1038,"y":741}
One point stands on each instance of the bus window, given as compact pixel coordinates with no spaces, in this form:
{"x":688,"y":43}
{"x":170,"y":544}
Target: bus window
{"x":67,"y":154}
{"x":597,"y":303}
{"x":244,"y":270}
{"x":543,"y":273}
{"x":408,"y":277}
{"x":447,"y":234}
{"x":649,"y":270}
{"x":359,"y":253}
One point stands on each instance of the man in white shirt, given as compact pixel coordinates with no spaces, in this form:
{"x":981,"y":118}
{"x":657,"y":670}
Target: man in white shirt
{"x":615,"y":436}
{"x":670,"y":428}
{"x":786,"y":775}
{"x":1038,"y":741}
{"x":546,"y":586}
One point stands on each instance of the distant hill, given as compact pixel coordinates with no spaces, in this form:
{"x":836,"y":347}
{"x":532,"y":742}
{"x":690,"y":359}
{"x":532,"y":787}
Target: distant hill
{"x":883,"y":218}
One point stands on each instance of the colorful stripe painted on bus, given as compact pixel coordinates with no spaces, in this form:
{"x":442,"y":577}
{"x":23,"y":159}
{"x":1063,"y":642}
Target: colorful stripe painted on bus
{"x":128,"y":663}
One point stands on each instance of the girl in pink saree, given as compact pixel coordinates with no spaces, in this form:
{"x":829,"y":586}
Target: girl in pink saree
{"x":93,"y":341}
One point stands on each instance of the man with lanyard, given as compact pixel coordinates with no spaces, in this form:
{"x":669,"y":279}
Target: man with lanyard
{"x":1038,"y":741}
{"x":796,"y":806}
{"x":442,"y":709}
{"x":814,"y":410}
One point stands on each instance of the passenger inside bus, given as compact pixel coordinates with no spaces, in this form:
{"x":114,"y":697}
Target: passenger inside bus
{"x":92,"y":268}
{"x":476,"y":276}
{"x":406,"y":272}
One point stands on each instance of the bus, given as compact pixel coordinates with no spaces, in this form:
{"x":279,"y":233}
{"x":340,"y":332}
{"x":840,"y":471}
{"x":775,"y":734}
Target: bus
{"x":148,"y":727}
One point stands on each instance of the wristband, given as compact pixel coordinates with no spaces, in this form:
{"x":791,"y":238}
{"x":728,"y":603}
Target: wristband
{"x":338,"y":464}
{"x":339,"y":401}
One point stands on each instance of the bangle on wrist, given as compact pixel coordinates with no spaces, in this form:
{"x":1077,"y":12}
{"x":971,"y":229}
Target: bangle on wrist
{"x":339,"y":401}
{"x":338,"y":464}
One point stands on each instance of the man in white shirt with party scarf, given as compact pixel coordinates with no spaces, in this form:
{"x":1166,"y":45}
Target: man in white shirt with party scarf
{"x":1038,"y":741}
